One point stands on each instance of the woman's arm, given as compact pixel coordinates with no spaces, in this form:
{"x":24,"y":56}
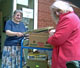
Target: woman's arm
{"x":11,"y":33}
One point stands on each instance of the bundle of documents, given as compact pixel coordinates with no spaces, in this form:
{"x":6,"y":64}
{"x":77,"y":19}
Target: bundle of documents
{"x":40,"y":30}
{"x":37,"y":56}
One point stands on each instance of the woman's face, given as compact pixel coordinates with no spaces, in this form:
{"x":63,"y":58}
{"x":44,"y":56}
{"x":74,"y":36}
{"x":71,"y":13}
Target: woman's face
{"x":18,"y":17}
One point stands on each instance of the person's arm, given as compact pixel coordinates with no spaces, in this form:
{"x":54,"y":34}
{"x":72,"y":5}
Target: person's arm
{"x":63,"y":31}
{"x":11,"y":33}
{"x":8,"y":30}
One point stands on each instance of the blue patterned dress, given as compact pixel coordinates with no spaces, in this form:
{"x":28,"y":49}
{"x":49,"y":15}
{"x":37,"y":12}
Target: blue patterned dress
{"x":11,"y":57}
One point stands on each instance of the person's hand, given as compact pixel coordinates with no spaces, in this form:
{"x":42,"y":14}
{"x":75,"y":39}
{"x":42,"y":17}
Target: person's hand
{"x":51,"y":32}
{"x":26,"y":36}
{"x":19,"y":34}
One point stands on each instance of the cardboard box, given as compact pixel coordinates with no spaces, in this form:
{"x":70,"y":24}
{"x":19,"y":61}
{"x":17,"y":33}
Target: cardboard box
{"x":36,"y":64}
{"x":39,"y":40}
{"x":37,"y":60}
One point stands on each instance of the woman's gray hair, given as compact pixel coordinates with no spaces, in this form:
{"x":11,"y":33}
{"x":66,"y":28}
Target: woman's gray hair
{"x":62,"y":5}
{"x":16,"y":11}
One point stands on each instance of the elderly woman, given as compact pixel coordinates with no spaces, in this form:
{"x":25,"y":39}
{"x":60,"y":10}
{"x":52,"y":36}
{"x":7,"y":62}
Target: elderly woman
{"x":14,"y":34}
{"x":66,"y":39}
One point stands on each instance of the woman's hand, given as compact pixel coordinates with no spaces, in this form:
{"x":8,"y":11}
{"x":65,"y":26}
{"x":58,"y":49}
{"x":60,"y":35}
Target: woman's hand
{"x":51,"y":32}
{"x":19,"y":34}
{"x":26,"y":36}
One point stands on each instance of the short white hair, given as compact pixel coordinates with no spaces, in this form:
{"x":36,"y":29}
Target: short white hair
{"x":62,"y":5}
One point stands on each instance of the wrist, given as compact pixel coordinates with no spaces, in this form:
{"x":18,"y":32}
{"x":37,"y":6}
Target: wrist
{"x":15,"y":33}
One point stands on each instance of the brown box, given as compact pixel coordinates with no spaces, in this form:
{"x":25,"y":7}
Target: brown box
{"x":36,"y":64}
{"x":39,"y":40}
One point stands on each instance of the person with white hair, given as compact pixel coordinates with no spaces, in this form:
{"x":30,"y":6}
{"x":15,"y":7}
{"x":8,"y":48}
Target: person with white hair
{"x":66,"y":38}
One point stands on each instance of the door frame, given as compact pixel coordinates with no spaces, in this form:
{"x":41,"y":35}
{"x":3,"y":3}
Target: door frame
{"x":35,"y":12}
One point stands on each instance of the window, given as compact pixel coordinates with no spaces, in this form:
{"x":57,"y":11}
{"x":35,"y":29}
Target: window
{"x":27,"y":6}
